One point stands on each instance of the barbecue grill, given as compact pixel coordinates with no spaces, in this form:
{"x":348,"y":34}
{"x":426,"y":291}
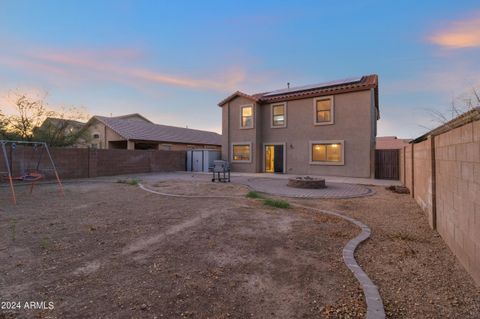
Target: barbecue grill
{"x":221,"y":171}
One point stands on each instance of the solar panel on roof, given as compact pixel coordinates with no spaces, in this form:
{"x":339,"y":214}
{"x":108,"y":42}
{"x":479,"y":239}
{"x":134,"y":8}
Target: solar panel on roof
{"x":315,"y":86}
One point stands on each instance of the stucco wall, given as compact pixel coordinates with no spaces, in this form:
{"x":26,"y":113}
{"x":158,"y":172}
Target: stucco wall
{"x":105,"y":135}
{"x":352,"y":123}
{"x":451,"y":197}
{"x":237,"y":135}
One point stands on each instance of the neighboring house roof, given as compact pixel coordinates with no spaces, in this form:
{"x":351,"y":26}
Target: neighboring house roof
{"x":59,"y":121}
{"x":365,"y":82}
{"x":465,"y":118}
{"x":133,"y":116}
{"x":147,"y":131}
{"x":390,"y":143}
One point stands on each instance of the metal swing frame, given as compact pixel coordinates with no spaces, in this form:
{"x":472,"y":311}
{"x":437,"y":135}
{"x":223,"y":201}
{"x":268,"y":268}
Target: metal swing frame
{"x":29,"y":177}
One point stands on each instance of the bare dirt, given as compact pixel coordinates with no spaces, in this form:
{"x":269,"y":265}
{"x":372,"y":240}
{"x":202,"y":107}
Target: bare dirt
{"x":116,"y":251}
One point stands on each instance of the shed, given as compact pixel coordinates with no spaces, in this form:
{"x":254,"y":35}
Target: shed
{"x":201,"y":160}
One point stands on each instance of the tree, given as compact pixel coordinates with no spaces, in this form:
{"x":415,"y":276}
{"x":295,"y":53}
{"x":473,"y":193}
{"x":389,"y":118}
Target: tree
{"x":459,"y":105}
{"x":34,"y":120}
{"x":3,"y":125}
{"x":64,"y":128}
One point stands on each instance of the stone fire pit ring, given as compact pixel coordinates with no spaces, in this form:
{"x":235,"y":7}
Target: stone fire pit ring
{"x":307,"y":182}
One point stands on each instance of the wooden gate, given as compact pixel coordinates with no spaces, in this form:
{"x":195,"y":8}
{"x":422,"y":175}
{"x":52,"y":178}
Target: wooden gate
{"x":387,"y":164}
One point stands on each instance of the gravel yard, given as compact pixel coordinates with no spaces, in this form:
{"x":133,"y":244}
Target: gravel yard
{"x":114,"y":250}
{"x":416,"y":273}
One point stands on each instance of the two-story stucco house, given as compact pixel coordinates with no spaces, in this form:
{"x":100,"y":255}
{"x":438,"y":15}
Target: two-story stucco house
{"x":322,"y":129}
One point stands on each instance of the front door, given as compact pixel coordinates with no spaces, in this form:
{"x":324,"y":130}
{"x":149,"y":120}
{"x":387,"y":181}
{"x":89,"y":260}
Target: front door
{"x":274,"y":158}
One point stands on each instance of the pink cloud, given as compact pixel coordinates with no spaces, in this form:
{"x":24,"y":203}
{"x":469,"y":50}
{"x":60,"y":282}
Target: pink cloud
{"x":459,"y":34}
{"x":119,"y":65}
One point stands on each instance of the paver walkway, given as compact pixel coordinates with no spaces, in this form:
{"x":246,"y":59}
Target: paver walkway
{"x":276,"y":186}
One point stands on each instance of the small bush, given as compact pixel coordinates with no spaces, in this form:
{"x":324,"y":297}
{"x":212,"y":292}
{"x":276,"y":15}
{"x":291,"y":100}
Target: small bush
{"x":253,"y":194}
{"x":276,"y":203}
{"x":133,"y":181}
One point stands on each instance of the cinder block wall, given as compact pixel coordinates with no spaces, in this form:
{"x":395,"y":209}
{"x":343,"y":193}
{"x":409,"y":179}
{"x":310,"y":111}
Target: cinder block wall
{"x":402,"y":166}
{"x":83,"y":162}
{"x":407,"y":152}
{"x":457,"y":155}
{"x":422,"y":176}
{"x":451,"y":196}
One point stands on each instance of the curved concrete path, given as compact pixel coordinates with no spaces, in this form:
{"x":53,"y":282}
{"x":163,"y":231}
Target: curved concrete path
{"x":375,"y":309}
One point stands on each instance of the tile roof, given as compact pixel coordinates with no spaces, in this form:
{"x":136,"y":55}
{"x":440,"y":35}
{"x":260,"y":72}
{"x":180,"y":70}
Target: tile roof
{"x":390,"y":143}
{"x":239,"y":93}
{"x":145,"y":131}
{"x":365,"y":82}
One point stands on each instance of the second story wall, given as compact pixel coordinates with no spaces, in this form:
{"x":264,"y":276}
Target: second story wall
{"x":352,"y":123}
{"x":233,"y":133}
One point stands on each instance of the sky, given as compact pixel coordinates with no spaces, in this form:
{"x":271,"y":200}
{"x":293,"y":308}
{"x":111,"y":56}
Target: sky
{"x":173,"y":61}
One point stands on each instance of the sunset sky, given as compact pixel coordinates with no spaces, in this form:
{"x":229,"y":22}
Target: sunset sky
{"x":173,"y":61}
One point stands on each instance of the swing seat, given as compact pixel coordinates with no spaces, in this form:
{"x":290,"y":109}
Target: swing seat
{"x":29,"y":177}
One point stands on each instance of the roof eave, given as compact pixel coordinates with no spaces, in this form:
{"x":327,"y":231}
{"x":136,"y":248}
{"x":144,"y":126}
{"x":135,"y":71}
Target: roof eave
{"x":106,"y":124}
{"x":234,"y":95}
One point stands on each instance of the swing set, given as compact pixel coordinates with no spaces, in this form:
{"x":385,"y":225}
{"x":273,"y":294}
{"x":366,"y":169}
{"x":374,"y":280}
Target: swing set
{"x":21,"y":169}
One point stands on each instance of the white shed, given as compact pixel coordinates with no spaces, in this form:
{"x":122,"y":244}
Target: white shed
{"x":200,"y":160}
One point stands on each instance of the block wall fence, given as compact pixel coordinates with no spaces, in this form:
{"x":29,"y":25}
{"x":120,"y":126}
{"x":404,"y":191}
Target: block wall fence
{"x":443,"y":175}
{"x":87,"y":162}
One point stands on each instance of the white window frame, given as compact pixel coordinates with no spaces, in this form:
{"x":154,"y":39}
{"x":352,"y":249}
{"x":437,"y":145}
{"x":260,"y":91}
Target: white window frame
{"x":310,"y":153}
{"x":253,"y":117}
{"x":332,"y":112}
{"x":284,"y":114}
{"x":241,"y":144}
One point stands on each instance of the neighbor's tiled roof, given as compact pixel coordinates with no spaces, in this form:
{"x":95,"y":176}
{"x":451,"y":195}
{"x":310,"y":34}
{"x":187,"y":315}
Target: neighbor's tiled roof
{"x":139,"y":130}
{"x":390,"y":143}
{"x":365,"y":82}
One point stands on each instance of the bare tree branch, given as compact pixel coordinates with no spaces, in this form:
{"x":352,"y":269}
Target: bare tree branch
{"x":33,"y":119}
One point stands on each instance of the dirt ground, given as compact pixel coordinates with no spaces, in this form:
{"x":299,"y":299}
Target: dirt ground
{"x":109,"y":250}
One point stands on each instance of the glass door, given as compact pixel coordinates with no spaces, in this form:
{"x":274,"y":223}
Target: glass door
{"x":269,"y":158}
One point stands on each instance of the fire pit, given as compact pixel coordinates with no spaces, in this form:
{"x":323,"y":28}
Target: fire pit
{"x":306,"y":182}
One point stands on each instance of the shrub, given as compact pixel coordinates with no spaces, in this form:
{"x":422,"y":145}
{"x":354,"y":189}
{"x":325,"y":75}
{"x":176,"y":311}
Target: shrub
{"x":253,"y":194}
{"x":276,"y":203}
{"x":133,"y":181}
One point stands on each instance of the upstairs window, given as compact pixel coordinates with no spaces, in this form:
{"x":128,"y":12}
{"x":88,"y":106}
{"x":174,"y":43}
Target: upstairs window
{"x":323,"y":110}
{"x":246,"y":116}
{"x":279,"y":115}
